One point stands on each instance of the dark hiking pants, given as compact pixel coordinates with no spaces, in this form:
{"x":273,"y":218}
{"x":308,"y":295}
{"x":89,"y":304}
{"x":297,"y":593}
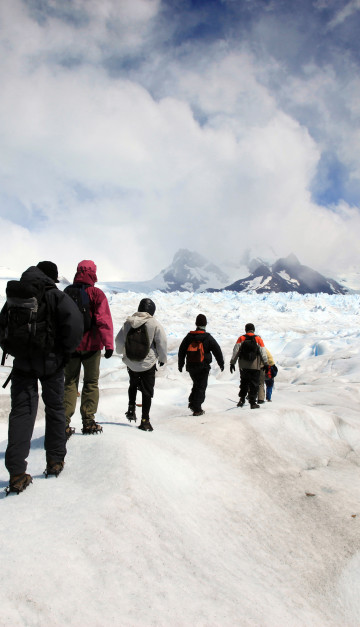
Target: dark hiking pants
{"x":24,"y":405}
{"x":90,"y":360}
{"x":200,"y":380}
{"x":249,"y":384}
{"x":145,"y":383}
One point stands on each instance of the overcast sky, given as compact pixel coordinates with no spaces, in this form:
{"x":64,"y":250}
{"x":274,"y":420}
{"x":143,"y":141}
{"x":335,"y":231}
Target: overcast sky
{"x":132,"y":128}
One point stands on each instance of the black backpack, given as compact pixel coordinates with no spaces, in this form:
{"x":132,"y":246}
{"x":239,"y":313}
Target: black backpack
{"x":26,"y":323}
{"x":249,"y":348}
{"x":80,"y":296}
{"x":137,"y":343}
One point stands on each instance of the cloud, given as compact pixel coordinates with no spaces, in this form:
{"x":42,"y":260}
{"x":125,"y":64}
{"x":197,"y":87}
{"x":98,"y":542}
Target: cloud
{"x":198,"y":146}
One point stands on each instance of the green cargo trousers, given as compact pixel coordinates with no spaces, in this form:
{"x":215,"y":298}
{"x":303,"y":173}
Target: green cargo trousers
{"x":90,"y":360}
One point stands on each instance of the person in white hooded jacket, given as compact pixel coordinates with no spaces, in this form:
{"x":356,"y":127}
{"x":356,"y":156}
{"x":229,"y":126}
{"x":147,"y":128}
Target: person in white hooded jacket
{"x":143,"y":344}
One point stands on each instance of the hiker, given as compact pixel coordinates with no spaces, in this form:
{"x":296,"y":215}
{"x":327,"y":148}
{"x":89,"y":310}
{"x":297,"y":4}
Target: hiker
{"x":197,"y":348}
{"x":267,"y":374}
{"x":250,"y":352}
{"x":41,"y":345}
{"x":143,"y":344}
{"x":98,"y":334}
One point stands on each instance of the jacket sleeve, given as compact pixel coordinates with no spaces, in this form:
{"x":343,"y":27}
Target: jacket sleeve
{"x":70,"y":323}
{"x":160,"y":343}
{"x":120,"y":341}
{"x":217,"y":352}
{"x":262,"y":350}
{"x":182,"y":351}
{"x":236,"y":349}
{"x":103,"y":319}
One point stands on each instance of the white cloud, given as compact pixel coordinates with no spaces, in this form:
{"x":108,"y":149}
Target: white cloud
{"x":126,"y":179}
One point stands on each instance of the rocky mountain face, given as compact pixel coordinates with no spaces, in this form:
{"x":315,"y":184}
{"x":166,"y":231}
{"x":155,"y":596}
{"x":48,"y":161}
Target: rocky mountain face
{"x":191,"y":272}
{"x":286,"y":275}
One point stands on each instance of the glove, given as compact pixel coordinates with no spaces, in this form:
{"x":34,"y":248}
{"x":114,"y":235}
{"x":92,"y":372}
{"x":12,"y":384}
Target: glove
{"x":232,"y":368}
{"x":161,"y":363}
{"x":180,"y":368}
{"x":108,"y":353}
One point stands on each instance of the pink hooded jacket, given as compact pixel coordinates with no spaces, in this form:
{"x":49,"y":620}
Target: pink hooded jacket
{"x":101,"y":332}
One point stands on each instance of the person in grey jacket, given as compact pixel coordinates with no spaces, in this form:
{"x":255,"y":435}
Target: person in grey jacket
{"x":249,"y":370}
{"x":152,"y":344}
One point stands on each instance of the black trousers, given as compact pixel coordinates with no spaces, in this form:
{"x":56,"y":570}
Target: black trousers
{"x":145,"y":383}
{"x":24,"y":406}
{"x":200,"y":380}
{"x":249,"y":384}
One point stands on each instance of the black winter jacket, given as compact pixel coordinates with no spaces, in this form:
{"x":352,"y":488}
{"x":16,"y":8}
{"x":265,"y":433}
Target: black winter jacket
{"x":68,"y":322}
{"x":210,"y":347}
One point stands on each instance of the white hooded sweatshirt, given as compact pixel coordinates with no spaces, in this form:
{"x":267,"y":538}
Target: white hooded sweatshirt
{"x":157,"y":339}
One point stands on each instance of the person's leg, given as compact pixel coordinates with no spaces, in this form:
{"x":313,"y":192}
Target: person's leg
{"x":147,"y":384}
{"x":261,"y":390}
{"x":253,"y":379}
{"x":55,"y":421}
{"x":134,"y":381}
{"x":90,"y":390}
{"x":200,"y":380}
{"x":72,"y":373}
{"x":244,"y":385}
{"x":269,"y":389}
{"x":24,"y":405}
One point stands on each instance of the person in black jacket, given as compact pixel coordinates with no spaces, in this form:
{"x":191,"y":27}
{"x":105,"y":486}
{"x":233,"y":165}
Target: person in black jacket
{"x":48,"y":368}
{"x":197,"y":348}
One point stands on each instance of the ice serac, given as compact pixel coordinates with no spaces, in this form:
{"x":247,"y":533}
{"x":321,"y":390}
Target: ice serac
{"x":286,"y":275}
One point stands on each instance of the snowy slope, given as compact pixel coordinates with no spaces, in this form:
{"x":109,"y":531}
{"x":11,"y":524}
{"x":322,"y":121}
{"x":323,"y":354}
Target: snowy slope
{"x":206,"y":521}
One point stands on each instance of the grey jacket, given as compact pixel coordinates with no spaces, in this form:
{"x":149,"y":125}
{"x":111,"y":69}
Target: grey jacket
{"x":157,"y":338}
{"x":260,"y":361}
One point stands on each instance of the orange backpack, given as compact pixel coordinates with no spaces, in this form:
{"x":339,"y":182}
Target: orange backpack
{"x":195,"y":352}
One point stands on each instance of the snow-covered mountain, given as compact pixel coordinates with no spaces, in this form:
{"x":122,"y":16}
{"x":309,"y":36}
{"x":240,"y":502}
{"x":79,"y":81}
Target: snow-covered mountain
{"x":286,"y":275}
{"x":188,"y":272}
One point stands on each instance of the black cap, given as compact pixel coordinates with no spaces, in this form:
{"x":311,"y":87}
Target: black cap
{"x":147,"y":305}
{"x":201,"y":320}
{"x":249,"y":327}
{"x":50,"y":269}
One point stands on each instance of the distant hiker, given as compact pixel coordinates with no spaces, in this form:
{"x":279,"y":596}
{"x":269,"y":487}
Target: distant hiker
{"x":197,"y":348}
{"x":269,"y":376}
{"x":40,"y":326}
{"x":250,"y":352}
{"x":142,"y":342}
{"x":98,"y":333}
{"x":265,"y":372}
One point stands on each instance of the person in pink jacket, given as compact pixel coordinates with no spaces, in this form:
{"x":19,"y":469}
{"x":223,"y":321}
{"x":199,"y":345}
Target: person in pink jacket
{"x":99,"y":335}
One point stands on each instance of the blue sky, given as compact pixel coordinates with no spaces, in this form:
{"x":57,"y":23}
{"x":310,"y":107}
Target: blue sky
{"x":133,"y":128}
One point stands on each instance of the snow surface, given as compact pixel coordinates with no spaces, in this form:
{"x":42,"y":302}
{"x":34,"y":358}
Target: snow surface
{"x":205,"y":522}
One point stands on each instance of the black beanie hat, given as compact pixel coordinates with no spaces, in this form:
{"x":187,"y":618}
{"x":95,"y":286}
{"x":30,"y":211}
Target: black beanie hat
{"x":147,"y":305}
{"x":201,"y":320}
{"x":249,"y":327}
{"x":50,"y":269}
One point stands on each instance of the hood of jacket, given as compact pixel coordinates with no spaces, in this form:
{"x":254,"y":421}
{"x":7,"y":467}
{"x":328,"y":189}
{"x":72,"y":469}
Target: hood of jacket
{"x":86,"y":272}
{"x":34,"y":274}
{"x":138,"y":318}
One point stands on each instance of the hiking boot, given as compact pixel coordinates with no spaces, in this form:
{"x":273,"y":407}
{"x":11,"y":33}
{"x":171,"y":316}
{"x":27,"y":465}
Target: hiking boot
{"x":261,"y":402}
{"x":145,"y":425}
{"x":241,"y":403}
{"x":18,"y":483}
{"x":53,"y":468}
{"x":69,"y":431}
{"x":268,"y":400}
{"x":198,"y":412}
{"x":130,"y":414}
{"x":254,"y":406}
{"x":91,"y":427}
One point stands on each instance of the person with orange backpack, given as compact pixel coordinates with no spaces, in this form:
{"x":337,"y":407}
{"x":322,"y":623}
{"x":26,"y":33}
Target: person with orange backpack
{"x":249,"y":351}
{"x":197,"y":349}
